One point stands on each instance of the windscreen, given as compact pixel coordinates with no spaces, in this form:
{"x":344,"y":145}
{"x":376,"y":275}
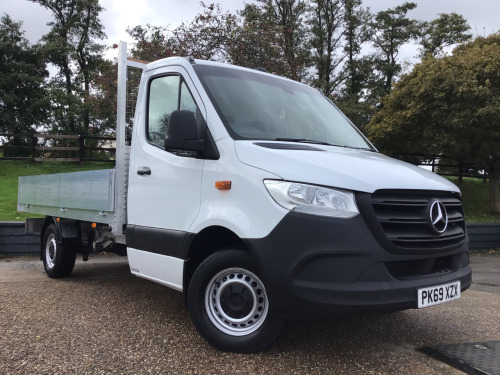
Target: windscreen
{"x":260,"y":106}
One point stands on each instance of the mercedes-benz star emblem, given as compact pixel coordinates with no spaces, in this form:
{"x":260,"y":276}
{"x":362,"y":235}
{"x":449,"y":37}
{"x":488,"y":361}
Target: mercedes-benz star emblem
{"x":438,"y":216}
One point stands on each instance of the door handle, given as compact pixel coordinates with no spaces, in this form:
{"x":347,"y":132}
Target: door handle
{"x":144,"y":171}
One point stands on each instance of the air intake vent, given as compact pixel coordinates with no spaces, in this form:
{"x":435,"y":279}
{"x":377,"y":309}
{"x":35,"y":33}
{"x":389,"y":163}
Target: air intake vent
{"x":288,"y":146}
{"x":420,"y":268}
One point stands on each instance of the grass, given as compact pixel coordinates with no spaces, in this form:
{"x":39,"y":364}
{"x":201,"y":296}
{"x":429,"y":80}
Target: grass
{"x":476,"y":199}
{"x":10,"y":170}
{"x":475,"y":192}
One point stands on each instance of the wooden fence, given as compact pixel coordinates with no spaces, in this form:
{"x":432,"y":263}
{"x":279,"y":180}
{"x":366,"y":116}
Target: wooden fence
{"x":77,"y":148}
{"x":446,"y":166}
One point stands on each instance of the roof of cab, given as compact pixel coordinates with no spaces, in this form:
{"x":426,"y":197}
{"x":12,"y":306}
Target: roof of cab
{"x":185,"y":62}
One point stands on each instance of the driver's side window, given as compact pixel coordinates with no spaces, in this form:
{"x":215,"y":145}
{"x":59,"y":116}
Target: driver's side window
{"x":166,"y":94}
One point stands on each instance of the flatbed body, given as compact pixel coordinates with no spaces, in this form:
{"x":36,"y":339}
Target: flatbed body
{"x":86,"y":196}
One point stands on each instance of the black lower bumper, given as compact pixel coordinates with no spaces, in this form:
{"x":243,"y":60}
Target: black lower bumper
{"x":315,"y":265}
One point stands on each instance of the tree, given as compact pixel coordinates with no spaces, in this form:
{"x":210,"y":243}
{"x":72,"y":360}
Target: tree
{"x":445,"y":31}
{"x":152,"y":42}
{"x":448,"y":106}
{"x":358,"y":68}
{"x":390,"y":29}
{"x":257,"y":42}
{"x":71,"y":45}
{"x":22,"y":88}
{"x":268,"y":35}
{"x":355,"y":34}
{"x":287,"y":16}
{"x":327,"y":27}
{"x":359,"y":112}
{"x":102,"y":102}
{"x":87,"y":52}
{"x":209,"y":37}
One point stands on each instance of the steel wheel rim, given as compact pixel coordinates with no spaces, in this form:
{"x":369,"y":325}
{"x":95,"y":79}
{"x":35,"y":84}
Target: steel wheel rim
{"x":50,"y":251}
{"x":236,"y":302}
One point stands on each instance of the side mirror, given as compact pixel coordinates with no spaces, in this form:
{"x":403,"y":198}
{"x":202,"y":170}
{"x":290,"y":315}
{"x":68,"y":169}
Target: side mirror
{"x":182,"y":133}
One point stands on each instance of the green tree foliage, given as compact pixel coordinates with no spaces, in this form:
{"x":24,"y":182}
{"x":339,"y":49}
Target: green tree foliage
{"x":152,"y":43}
{"x":256,"y":39}
{"x":287,"y":17}
{"x":209,"y":36}
{"x":390,"y":29}
{"x":356,"y":33}
{"x":445,"y":31}
{"x":102,"y":101}
{"x":358,"y":68}
{"x":258,"y":42}
{"x":359,"y":112}
{"x":448,"y":106}
{"x":337,"y":32}
{"x":326,"y":22}
{"x":71,"y":45}
{"x":23,"y":98}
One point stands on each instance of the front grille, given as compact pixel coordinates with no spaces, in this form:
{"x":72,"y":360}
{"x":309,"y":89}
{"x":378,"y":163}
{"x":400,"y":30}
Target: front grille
{"x":405,"y":219}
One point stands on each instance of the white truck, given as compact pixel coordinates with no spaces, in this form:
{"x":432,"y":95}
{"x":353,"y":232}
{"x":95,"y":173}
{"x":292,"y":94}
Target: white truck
{"x":260,"y":201}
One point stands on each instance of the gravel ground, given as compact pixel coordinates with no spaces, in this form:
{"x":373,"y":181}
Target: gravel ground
{"x":103,"y":320}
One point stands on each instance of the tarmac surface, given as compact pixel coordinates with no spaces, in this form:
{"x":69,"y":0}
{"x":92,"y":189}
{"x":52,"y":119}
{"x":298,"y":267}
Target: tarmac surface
{"x":103,"y":320}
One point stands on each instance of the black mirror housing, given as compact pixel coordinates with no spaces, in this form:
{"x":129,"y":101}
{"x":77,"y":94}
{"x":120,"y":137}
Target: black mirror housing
{"x":182,"y":133}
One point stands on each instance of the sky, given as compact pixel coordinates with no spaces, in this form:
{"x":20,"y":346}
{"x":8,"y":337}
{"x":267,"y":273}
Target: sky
{"x":483,"y":15}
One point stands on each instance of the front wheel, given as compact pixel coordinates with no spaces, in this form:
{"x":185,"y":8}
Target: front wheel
{"x":229,"y":305}
{"x":58,"y":260}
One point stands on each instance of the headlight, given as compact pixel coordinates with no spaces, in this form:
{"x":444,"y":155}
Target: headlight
{"x":313,"y":200}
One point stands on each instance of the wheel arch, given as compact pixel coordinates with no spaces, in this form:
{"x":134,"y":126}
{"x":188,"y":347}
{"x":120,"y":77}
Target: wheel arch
{"x":205,"y":243}
{"x":67,"y":231}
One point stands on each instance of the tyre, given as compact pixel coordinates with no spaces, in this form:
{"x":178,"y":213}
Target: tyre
{"x":229,"y":306}
{"x":58,"y":260}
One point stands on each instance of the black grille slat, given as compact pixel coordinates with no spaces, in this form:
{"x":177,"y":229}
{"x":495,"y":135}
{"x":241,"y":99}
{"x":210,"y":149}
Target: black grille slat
{"x":421,"y":231}
{"x":433,"y":242}
{"x":388,"y":215}
{"x":389,"y":220}
{"x":404,"y":218}
{"x":426,"y":239}
{"x":400,"y":204}
{"x":455,"y":216}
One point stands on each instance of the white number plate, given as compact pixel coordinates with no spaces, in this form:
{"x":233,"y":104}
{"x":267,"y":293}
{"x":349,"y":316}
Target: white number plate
{"x":435,"y":295}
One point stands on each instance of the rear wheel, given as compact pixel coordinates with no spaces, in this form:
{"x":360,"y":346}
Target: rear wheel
{"x":58,"y":260}
{"x":229,"y":304}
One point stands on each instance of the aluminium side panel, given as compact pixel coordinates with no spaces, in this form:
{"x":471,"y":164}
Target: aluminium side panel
{"x":87,"y":195}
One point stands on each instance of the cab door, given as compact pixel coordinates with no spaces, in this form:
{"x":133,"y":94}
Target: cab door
{"x":164,"y":188}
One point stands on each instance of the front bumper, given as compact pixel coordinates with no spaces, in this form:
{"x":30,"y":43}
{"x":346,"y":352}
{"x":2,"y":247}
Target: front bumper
{"x":315,"y":265}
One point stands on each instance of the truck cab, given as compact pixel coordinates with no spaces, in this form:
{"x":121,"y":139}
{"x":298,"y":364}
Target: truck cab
{"x":228,"y":163}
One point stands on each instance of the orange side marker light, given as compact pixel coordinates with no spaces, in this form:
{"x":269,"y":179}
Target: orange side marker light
{"x":223,"y":185}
